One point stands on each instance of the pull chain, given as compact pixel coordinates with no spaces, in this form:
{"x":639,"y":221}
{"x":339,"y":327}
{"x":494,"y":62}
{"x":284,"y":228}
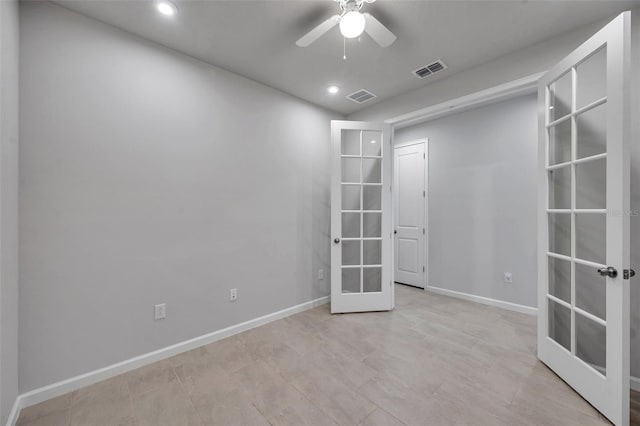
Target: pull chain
{"x":344,"y":48}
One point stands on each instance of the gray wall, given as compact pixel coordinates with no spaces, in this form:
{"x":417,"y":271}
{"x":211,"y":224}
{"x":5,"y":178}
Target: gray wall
{"x":482,"y":199}
{"x":150,"y":177}
{"x":8,"y":206}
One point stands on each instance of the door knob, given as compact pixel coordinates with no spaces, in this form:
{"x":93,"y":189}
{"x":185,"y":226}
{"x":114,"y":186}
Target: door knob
{"x":395,"y":231}
{"x":610,"y":272}
{"x":337,"y":240}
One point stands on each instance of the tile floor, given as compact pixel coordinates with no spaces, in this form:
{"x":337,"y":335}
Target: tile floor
{"x":434,"y":360}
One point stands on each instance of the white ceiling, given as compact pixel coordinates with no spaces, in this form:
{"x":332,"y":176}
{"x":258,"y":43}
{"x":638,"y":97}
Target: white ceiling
{"x":256,"y":39}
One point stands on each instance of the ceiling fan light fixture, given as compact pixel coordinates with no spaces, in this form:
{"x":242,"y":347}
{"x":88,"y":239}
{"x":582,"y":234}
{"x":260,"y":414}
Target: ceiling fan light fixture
{"x":352,"y":24}
{"x":166,"y":8}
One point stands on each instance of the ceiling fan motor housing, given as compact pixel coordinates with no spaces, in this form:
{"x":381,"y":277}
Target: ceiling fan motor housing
{"x":350,"y":5}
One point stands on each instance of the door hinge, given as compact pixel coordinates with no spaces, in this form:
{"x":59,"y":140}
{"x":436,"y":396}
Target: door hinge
{"x":424,"y":193}
{"x":628,"y":274}
{"x":424,"y":231}
{"x":424,"y":155}
{"x":424,"y":269}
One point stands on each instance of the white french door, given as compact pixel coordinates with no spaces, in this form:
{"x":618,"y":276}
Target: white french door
{"x":361,"y":250}
{"x":409,"y":202}
{"x":583,"y":269}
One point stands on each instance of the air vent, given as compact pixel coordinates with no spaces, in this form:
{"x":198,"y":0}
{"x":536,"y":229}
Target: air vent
{"x":361,"y":96}
{"x":430,"y":69}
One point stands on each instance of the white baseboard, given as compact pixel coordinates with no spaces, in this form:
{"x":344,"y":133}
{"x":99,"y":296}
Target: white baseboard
{"x":15,"y":412}
{"x":485,"y":300}
{"x":60,"y":388}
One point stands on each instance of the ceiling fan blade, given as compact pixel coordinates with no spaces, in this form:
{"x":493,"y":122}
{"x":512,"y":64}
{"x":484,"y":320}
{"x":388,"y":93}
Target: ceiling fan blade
{"x":318,"y":31}
{"x":378,"y":32}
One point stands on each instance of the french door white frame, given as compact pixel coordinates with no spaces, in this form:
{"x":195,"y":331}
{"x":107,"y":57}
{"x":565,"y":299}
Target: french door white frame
{"x":425,"y":142}
{"x":610,"y":393}
{"x":362,"y":301}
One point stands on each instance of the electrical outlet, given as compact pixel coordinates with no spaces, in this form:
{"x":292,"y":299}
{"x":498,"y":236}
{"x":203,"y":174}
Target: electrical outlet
{"x":233,"y":294}
{"x":160,"y":311}
{"x":321,"y":274}
{"x":508,"y":277}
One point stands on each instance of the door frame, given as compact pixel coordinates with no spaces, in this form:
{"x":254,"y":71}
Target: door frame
{"x":425,"y":142}
{"x":502,"y":92}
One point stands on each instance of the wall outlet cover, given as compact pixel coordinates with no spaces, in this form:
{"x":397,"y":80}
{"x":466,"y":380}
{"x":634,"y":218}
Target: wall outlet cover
{"x":508,"y":277}
{"x":160,"y":311}
{"x":233,"y":294}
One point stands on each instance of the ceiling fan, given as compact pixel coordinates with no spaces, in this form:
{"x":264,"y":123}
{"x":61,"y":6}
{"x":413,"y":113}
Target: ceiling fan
{"x":352,"y":23}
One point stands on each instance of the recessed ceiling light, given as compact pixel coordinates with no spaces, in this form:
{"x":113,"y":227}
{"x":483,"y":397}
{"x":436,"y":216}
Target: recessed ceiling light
{"x":333,"y":89}
{"x":373,"y":141}
{"x":166,"y":8}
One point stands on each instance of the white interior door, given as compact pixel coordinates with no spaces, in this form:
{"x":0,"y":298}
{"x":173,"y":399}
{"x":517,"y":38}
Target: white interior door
{"x":361,"y":250}
{"x":583,"y":323}
{"x":409,"y":201}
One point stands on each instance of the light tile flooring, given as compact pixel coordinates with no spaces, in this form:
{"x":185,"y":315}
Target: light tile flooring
{"x":434,"y":360}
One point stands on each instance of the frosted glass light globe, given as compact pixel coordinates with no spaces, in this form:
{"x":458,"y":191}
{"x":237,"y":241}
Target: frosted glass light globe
{"x":166,"y":8}
{"x":352,"y":24}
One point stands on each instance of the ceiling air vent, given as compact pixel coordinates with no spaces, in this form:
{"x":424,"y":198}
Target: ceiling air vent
{"x":427,"y":70}
{"x":361,"y":96}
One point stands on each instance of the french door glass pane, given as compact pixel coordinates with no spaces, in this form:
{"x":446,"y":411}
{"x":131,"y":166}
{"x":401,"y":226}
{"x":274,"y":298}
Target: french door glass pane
{"x":350,"y":142}
{"x":351,"y":170}
{"x":591,"y":184}
{"x":372,"y":197}
{"x":350,"y":225}
{"x":591,"y":237}
{"x":560,"y":278}
{"x":560,"y":188}
{"x":560,"y":143}
{"x":371,"y":143}
{"x":351,"y":252}
{"x":351,"y":280}
{"x":372,"y":170}
{"x":591,"y":291}
{"x":372,"y":225}
{"x":372,"y":252}
{"x":351,"y":197}
{"x":372,"y":280}
{"x":560,"y":97}
{"x":592,"y":79}
{"x":591,"y":343}
{"x":592,"y":132}
{"x":559,"y":323}
{"x":560,"y":233}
